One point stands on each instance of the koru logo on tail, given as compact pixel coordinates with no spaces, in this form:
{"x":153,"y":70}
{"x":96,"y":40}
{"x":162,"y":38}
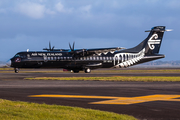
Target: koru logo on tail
{"x":153,"y":40}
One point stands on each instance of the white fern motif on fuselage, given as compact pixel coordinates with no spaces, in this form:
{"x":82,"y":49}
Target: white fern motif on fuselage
{"x":128,"y":59}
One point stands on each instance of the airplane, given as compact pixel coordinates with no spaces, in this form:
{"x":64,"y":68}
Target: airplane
{"x":89,"y":59}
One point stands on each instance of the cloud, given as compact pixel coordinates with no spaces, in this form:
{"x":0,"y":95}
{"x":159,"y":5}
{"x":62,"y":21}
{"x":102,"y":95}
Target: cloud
{"x":60,"y":8}
{"x":33,"y":10}
{"x":86,"y":8}
{"x":48,"y":11}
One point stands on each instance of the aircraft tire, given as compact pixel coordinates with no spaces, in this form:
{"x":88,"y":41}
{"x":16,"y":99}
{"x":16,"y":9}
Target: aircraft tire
{"x":76,"y":71}
{"x":87,"y":70}
{"x":16,"y":70}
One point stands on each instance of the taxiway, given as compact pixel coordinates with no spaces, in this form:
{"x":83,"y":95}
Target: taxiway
{"x":146,"y":100}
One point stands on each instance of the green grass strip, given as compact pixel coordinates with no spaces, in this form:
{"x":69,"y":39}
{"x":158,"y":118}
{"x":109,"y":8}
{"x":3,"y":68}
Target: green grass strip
{"x":11,"y":70}
{"x":114,"y":78}
{"x":15,"y":110}
{"x":6,"y":68}
{"x":138,"y":71}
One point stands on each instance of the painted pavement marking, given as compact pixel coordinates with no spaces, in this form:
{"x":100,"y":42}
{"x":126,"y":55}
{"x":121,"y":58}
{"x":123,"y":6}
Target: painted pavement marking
{"x":118,"y":100}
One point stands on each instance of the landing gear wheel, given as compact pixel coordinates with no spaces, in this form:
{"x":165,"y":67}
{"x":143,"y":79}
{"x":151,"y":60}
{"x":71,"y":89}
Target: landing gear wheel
{"x":87,"y":70}
{"x":16,"y":70}
{"x":76,"y":71}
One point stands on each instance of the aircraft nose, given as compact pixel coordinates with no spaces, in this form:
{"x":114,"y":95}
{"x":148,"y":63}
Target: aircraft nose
{"x":8,"y":63}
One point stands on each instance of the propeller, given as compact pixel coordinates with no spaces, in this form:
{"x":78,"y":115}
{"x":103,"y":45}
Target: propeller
{"x":72,"y":48}
{"x":76,"y":53}
{"x":50,"y":49}
{"x":49,"y":45}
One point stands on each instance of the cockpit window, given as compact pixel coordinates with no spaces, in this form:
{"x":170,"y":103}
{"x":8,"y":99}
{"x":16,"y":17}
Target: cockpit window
{"x":20,"y":55}
{"x":17,"y":55}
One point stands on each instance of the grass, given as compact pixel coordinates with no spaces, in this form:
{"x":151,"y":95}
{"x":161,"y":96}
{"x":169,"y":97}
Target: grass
{"x":6,"y":68}
{"x":114,"y":78}
{"x":139,"y":71}
{"x":11,"y":70}
{"x":17,"y":110}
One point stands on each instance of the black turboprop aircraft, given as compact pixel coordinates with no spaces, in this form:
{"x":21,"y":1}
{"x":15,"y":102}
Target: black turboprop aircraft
{"x":87,"y":59}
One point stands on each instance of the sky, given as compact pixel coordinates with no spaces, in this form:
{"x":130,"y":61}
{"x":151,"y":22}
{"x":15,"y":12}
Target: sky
{"x":31,"y":24}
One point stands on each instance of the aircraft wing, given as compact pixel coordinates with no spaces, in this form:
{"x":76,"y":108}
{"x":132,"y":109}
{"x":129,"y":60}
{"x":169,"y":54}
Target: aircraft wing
{"x":98,"y":51}
{"x":104,"y":50}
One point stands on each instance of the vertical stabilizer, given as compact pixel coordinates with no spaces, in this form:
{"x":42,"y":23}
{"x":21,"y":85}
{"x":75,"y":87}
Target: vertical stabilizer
{"x":154,"y":40}
{"x":152,"y":43}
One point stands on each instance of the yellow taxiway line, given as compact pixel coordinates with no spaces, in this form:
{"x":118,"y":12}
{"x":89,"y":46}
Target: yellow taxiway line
{"x":118,"y":100}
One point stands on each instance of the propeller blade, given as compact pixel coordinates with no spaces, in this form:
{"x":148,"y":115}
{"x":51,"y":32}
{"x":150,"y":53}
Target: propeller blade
{"x":70,"y":47}
{"x":49,"y":45}
{"x":53,"y":48}
{"x":73,"y":45}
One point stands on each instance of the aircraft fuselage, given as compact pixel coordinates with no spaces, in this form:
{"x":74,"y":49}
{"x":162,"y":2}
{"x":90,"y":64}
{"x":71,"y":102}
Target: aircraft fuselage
{"x":87,"y":59}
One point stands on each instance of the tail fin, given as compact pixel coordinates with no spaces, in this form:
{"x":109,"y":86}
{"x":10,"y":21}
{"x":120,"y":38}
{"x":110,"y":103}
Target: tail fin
{"x":152,"y":43}
{"x":154,"y":40}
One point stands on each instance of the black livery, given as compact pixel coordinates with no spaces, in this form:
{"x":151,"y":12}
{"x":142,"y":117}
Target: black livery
{"x":87,"y":59}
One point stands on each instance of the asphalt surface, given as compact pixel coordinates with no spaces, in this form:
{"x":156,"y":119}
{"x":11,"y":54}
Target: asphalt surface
{"x":13,"y":87}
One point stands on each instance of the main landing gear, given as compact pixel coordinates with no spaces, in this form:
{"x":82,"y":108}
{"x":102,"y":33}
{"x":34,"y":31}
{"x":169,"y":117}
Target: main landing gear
{"x":16,"y":70}
{"x":87,"y":70}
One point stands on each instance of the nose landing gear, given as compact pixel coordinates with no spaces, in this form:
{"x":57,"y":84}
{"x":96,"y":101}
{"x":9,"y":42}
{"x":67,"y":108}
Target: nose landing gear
{"x":16,"y":70}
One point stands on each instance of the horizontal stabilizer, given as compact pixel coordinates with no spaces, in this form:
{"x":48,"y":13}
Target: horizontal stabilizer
{"x":158,"y":30}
